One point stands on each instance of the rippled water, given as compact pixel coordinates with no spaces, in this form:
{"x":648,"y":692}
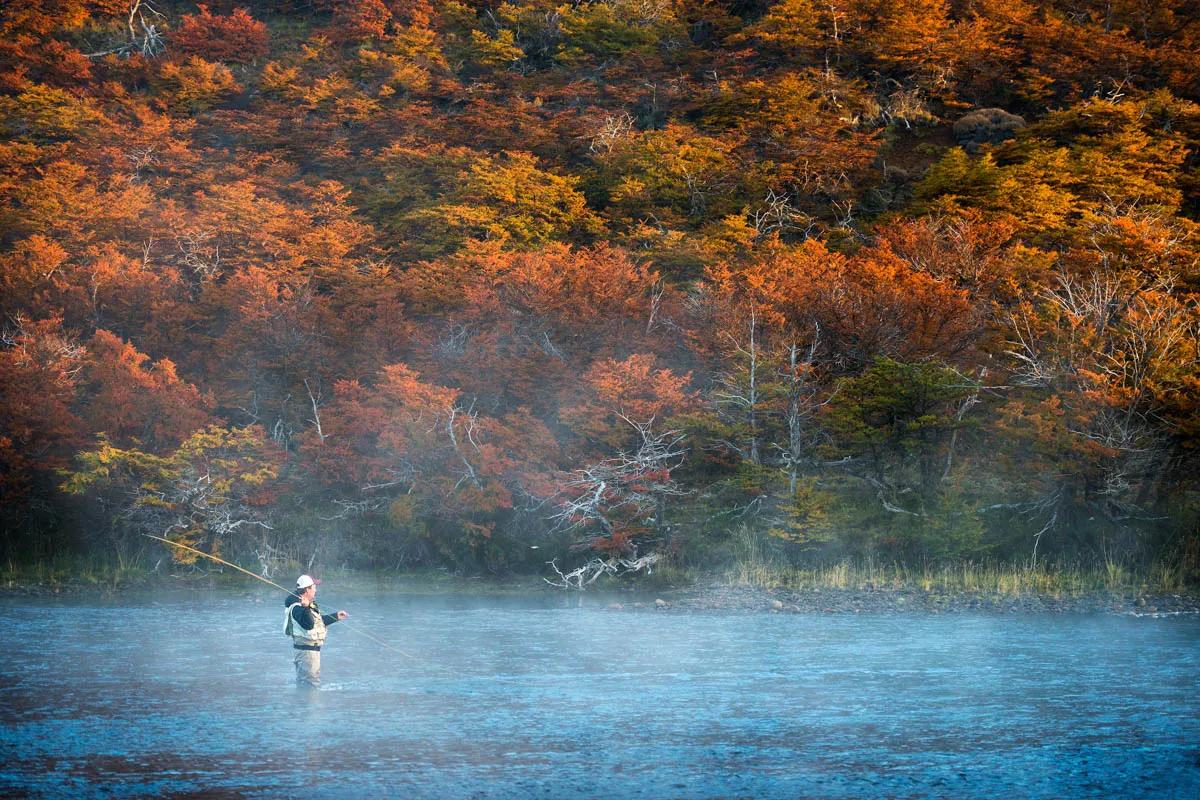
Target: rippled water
{"x":556,"y":697}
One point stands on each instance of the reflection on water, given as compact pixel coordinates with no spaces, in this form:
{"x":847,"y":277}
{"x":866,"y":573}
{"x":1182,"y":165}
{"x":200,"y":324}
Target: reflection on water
{"x":556,"y":697}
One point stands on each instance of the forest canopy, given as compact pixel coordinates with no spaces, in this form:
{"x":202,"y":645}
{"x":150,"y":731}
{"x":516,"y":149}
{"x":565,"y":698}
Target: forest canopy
{"x":480,"y":284}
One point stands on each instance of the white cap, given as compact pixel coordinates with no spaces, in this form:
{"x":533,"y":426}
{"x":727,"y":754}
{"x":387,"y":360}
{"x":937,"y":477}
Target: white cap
{"x":305,"y":581}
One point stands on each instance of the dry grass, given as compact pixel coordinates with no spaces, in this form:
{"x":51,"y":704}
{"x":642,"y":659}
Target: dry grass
{"x":1013,"y":580}
{"x":65,"y":571}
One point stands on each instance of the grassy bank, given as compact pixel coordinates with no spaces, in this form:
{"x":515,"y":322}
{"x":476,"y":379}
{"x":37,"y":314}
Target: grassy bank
{"x":83,"y":573}
{"x":65,"y":572}
{"x":1014,"y":580}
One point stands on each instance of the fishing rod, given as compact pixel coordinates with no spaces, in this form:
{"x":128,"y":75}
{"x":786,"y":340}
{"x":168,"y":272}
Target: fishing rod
{"x":256,"y":576}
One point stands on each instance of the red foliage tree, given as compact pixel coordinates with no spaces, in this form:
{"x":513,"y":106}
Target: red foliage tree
{"x":356,"y":20}
{"x":39,"y":365}
{"x":236,"y":37}
{"x":135,"y":402}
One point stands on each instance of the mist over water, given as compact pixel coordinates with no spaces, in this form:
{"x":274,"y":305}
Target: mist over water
{"x":558,"y":696}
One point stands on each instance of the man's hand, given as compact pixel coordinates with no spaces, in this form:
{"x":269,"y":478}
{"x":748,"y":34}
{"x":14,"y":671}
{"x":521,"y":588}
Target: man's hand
{"x":342,"y":615}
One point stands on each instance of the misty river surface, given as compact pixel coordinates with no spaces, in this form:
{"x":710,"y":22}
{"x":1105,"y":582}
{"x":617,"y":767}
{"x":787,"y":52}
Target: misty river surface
{"x":561,"y":697}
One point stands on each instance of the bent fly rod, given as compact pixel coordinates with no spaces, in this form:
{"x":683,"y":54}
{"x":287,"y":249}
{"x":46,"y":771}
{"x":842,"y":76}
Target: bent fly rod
{"x":258,"y":577}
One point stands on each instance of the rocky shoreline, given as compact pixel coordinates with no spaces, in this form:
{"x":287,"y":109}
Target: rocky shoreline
{"x":916,"y":600}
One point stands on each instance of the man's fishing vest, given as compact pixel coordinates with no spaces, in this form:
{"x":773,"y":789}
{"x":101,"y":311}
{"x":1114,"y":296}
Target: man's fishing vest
{"x":315,"y":636}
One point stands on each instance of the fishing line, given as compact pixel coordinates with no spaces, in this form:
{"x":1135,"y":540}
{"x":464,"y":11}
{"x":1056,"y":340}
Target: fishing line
{"x":256,"y":576}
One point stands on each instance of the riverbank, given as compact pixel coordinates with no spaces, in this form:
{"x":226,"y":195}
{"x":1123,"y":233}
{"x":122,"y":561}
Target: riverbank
{"x":837,"y":590}
{"x":914,"y":599}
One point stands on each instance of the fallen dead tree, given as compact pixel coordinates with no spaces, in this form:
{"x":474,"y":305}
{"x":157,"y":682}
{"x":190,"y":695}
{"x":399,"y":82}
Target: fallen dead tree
{"x":589,"y":572}
{"x":608,"y":499}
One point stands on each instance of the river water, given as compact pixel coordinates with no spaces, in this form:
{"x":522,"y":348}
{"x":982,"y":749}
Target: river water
{"x":561,"y":697}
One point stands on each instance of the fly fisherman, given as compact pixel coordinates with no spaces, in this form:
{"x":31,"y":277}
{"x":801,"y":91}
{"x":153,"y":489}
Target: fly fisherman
{"x":305,"y":623}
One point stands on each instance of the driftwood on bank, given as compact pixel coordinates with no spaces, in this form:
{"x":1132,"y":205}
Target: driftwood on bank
{"x":589,"y":572}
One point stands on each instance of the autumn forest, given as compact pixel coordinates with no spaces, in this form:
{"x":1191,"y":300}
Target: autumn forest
{"x":484,"y":285}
